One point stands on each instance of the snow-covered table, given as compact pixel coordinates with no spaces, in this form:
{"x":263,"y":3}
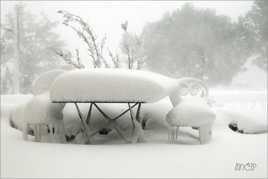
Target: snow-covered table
{"x":95,"y":86}
{"x":110,"y":86}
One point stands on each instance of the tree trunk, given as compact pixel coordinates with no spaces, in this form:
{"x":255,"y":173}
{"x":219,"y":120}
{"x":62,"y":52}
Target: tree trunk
{"x":16,"y":71}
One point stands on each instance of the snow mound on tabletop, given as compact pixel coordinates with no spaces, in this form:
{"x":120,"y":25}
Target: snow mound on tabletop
{"x":111,"y":85}
{"x":44,"y":81}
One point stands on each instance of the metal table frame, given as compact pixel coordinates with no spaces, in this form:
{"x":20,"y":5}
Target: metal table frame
{"x":112,"y":123}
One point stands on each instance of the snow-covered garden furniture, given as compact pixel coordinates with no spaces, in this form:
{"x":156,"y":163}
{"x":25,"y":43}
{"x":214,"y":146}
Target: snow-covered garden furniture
{"x":132,"y":87}
{"x":191,"y":112}
{"x":44,"y":81}
{"x":40,"y":118}
{"x":52,"y":132}
{"x":110,"y":86}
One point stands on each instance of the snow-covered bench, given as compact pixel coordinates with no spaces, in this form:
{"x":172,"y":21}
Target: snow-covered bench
{"x":133,"y":87}
{"x":39,"y":116}
{"x":193,"y":112}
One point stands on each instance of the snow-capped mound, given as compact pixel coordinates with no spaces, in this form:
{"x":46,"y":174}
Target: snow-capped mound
{"x":111,"y":85}
{"x":43,"y":83}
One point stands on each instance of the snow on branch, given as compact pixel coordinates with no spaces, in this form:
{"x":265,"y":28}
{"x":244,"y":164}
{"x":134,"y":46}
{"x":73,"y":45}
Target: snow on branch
{"x":87,"y":35}
{"x":100,"y":55}
{"x":68,"y":58}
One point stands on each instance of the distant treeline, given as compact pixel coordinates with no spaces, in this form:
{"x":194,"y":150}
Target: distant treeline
{"x":186,"y":42}
{"x":200,"y":43}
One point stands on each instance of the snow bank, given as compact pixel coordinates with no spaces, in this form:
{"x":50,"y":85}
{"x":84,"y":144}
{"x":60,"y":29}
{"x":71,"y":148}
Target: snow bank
{"x":111,"y":85}
{"x":44,"y":81}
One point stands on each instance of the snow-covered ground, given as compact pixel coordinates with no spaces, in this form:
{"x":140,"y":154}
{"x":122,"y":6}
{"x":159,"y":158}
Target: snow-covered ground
{"x":109,"y":156}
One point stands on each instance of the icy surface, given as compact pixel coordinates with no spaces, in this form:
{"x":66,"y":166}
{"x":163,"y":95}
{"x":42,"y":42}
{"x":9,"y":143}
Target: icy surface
{"x":111,"y":85}
{"x":155,"y":158}
{"x":44,"y":81}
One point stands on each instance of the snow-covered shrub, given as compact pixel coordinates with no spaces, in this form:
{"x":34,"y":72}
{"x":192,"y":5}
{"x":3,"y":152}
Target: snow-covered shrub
{"x":193,"y":112}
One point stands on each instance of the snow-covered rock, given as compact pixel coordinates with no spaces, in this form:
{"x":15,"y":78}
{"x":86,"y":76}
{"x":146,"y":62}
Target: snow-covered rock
{"x":111,"y":85}
{"x":193,"y":112}
{"x":44,"y":81}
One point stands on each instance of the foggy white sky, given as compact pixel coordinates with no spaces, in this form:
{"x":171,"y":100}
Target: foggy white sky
{"x":107,"y":16}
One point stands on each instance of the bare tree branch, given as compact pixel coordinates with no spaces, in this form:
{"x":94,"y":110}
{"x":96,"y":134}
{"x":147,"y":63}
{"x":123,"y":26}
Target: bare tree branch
{"x":67,"y":57}
{"x":115,"y":59}
{"x":86,"y":34}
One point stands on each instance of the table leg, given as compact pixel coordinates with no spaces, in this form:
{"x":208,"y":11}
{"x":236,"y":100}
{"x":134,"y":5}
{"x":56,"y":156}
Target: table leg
{"x":138,"y":135}
{"x":86,"y":130}
{"x":89,"y":114}
{"x":132,"y":118}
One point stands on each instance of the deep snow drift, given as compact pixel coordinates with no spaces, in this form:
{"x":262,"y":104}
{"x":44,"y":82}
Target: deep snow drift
{"x":111,"y":157}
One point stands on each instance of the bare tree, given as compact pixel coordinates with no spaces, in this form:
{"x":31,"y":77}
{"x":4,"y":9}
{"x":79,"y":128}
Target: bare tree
{"x":132,"y":47}
{"x":115,"y":59}
{"x":99,"y":54}
{"x":26,"y":43}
